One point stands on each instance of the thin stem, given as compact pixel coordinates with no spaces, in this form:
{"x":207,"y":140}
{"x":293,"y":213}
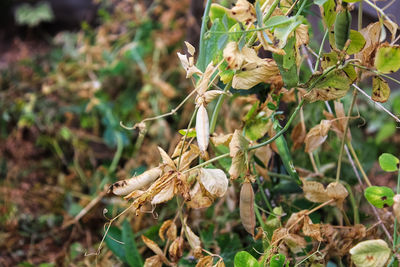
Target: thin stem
{"x":376,"y":103}
{"x":356,"y":215}
{"x":185,"y":136}
{"x":200,"y":61}
{"x":117,"y":155}
{"x":376,"y":72}
{"x":353,"y":153}
{"x":346,"y":128}
{"x":321,"y":48}
{"x":259,"y":218}
{"x":380,"y":11}
{"x":360,"y":14}
{"x":395,"y":237}
{"x":217,"y":108}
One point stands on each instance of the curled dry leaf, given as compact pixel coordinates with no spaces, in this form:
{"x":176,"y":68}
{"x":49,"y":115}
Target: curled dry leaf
{"x":153,"y":261}
{"x":170,"y":228}
{"x":237,"y":149}
{"x":205,"y":79}
{"x":233,"y":56}
{"x":311,"y":230}
{"x":167,"y":193}
{"x":295,"y":221}
{"x":202,"y":129}
{"x":243,"y":11}
{"x":295,"y":242}
{"x":221,"y":139}
{"x":371,"y":35}
{"x":317,"y":135}
{"x":264,"y":154}
{"x":265,"y":35}
{"x":134,"y":194}
{"x":188,"y":65}
{"x":199,"y":197}
{"x":188,"y":157}
{"x":298,"y":135}
{"x":211,"y":94}
{"x":206,"y":261}
{"x":315,"y":192}
{"x":194,"y":241}
{"x":246,"y":207}
{"x":380,"y":90}
{"x":137,"y":182}
{"x":166,"y":159}
{"x":176,"y":249}
{"x":302,"y":37}
{"x":214,"y":181}
{"x":190,"y":48}
{"x":156,"y":249}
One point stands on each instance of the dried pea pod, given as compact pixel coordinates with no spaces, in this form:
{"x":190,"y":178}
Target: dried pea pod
{"x":246,"y":207}
{"x":342,"y":28}
{"x":284,"y":153}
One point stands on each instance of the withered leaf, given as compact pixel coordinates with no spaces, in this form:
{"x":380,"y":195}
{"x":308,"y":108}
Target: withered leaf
{"x":243,"y":11}
{"x":298,"y":135}
{"x":166,"y":159}
{"x":176,"y":249}
{"x":199,"y":198}
{"x":317,"y":136}
{"x":311,"y":230}
{"x":214,"y":181}
{"x":153,"y":261}
{"x":221,"y":139}
{"x":315,"y":191}
{"x":206,"y":261}
{"x":380,"y":90}
{"x":167,"y":193}
{"x":156,"y":249}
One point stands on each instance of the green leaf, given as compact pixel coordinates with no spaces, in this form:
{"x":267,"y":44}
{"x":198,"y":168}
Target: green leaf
{"x":277,"y":261}
{"x":386,"y":131}
{"x":380,"y":90}
{"x":379,"y":196}
{"x":112,"y":241}
{"x":218,"y":12}
{"x":245,"y":259}
{"x":320,"y":2}
{"x":329,"y":13}
{"x":283,"y":31}
{"x":387,"y":58}
{"x":286,"y":64}
{"x":357,"y":42}
{"x":276,"y":21}
{"x":132,"y":254}
{"x":191,"y":133}
{"x":33,"y":15}
{"x":351,"y":1}
{"x":211,"y":41}
{"x":222,"y":41}
{"x":388,"y":162}
{"x":370,"y":253}
{"x":259,"y":15}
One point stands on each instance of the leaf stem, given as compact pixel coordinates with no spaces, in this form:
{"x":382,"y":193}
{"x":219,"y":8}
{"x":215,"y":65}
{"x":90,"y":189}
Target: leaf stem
{"x":357,"y":161}
{"x":321,"y":48}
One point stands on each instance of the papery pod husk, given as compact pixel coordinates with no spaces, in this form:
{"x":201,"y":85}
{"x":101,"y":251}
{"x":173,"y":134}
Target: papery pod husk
{"x":202,"y":129}
{"x":246,"y":207}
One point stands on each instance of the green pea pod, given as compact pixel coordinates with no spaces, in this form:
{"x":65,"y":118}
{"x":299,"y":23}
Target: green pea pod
{"x":287,"y":64}
{"x":342,"y":28}
{"x":285,"y":154}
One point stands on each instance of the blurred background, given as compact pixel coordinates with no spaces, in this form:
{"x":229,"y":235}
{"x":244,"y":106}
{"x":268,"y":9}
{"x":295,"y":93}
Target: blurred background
{"x":70,"y":71}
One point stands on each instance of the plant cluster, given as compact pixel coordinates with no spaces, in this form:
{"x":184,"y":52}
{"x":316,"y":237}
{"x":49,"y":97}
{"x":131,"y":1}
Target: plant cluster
{"x":262,"y":49}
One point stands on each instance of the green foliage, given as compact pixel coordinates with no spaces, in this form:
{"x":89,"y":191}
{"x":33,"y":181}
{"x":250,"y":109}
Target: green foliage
{"x":379,"y":196}
{"x":32,"y":16}
{"x":244,"y":259}
{"x":388,"y":162}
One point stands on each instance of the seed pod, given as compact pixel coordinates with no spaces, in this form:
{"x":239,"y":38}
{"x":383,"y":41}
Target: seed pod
{"x":342,"y":28}
{"x":137,"y":182}
{"x":247,"y":208}
{"x":202,"y":128}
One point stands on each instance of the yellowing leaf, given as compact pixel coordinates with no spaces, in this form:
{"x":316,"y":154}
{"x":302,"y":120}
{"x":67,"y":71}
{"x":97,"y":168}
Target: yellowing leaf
{"x":314,"y":191}
{"x":380,"y":90}
{"x":302,"y":37}
{"x":370,"y":253}
{"x":221,"y":139}
{"x":387,"y":58}
{"x":214,"y":181}
{"x":317,"y":135}
{"x":137,"y":182}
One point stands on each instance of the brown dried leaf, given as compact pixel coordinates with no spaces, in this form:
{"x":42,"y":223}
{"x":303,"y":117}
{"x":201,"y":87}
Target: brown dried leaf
{"x":220,"y":263}
{"x":269,"y":47}
{"x":338,"y":123}
{"x":371,"y":35}
{"x":189,"y":66}
{"x":311,"y":230}
{"x":243,"y":11}
{"x":317,"y":135}
{"x":392,"y":27}
{"x":167,"y":193}
{"x":221,"y":139}
{"x":166,"y":159}
{"x":137,"y":182}
{"x":214,"y":181}
{"x":238,"y":144}
{"x":295,"y":242}
{"x":156,"y":249}
{"x":314,"y":191}
{"x":298,"y":135}
{"x":193,"y":239}
{"x":295,"y":221}
{"x":238,"y":166}
{"x":302,"y":37}
{"x":198,"y":198}
{"x":190,"y":48}
{"x":205,"y":79}
{"x":338,"y":192}
{"x":176,"y":249}
{"x":206,"y":261}
{"x":211,"y":94}
{"x":153,"y":261}
{"x":166,"y":225}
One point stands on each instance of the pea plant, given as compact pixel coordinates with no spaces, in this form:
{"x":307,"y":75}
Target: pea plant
{"x":259,"y":59}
